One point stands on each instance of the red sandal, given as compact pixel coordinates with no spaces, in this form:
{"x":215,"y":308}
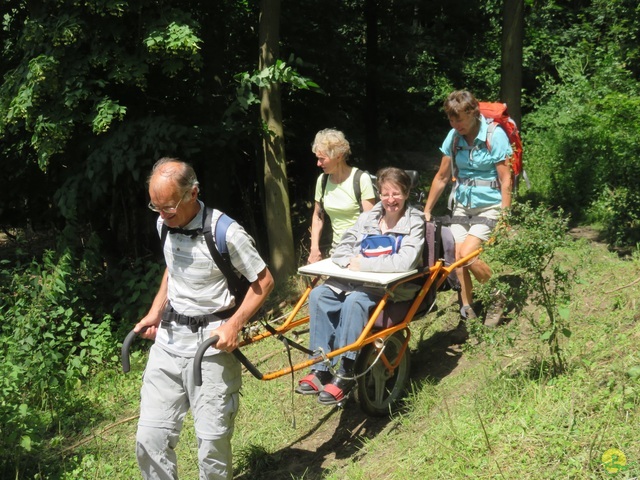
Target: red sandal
{"x":336,"y":391}
{"x":313,"y":383}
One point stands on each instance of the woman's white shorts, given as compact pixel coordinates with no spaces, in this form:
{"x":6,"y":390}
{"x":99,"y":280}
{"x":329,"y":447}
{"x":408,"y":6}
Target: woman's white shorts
{"x":479,"y":230}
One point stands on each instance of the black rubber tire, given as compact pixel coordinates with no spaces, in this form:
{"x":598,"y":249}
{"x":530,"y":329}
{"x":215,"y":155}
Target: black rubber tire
{"x":378,"y":392}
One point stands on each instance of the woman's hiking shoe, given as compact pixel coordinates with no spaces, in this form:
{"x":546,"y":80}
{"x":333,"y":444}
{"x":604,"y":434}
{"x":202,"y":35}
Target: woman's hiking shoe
{"x":313,"y":383}
{"x":466,"y":312}
{"x":336,"y":391}
{"x":495,"y":310}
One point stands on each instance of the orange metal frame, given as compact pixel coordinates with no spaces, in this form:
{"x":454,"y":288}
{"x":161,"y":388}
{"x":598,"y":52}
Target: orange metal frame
{"x":434,"y":276}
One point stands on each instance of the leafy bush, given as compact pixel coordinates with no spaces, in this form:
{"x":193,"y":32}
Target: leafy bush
{"x":618,"y":211}
{"x":527,"y":249}
{"x":133,"y":286}
{"x":51,"y":342}
{"x":583,"y":145}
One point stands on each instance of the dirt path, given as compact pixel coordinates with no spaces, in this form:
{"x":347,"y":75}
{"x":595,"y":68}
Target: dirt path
{"x":589,"y":233}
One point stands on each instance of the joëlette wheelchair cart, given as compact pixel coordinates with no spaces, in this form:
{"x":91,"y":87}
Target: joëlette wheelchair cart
{"x":383,"y":363}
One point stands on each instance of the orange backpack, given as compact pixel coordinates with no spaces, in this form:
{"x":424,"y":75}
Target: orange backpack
{"x":496,"y":114}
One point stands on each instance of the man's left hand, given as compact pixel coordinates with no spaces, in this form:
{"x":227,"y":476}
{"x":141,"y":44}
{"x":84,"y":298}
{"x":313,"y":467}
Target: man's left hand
{"x":228,"y":337}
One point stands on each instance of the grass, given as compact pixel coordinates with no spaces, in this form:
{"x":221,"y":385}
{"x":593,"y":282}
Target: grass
{"x":488,"y":411}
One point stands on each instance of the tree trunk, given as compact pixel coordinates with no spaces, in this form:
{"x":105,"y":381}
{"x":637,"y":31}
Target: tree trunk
{"x":276,"y":190}
{"x":511,"y":68}
{"x":371,"y":86}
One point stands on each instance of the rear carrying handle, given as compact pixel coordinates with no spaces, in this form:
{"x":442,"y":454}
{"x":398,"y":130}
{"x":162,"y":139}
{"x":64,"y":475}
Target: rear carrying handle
{"x":211,"y":342}
{"x":126,"y":346}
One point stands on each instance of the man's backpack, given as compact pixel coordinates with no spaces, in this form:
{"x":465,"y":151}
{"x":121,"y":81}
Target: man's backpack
{"x":356,"y":187}
{"x":497,"y":115}
{"x":238,"y":285}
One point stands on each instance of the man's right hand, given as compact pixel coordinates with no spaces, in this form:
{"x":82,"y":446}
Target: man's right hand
{"x":151,"y":322}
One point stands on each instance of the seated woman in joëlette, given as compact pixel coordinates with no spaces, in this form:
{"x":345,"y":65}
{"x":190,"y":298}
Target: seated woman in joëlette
{"x":340,"y":309}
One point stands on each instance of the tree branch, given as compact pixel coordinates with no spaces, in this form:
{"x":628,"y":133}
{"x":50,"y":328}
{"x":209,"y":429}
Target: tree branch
{"x":624,"y":286}
{"x":91,"y":437}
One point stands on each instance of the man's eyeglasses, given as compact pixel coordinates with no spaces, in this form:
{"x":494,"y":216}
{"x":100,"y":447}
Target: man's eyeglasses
{"x":167,"y":210}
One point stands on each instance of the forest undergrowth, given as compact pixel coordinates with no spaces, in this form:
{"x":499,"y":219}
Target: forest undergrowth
{"x":491,"y":408}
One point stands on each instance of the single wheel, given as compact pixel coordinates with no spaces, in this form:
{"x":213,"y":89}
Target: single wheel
{"x":379,"y":390}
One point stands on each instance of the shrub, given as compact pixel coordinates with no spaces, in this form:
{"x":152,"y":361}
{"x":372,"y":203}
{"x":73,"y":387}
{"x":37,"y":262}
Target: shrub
{"x":51,"y":342}
{"x":133,"y":286}
{"x":583,"y":146}
{"x":618,"y":211}
{"x":527,"y":248}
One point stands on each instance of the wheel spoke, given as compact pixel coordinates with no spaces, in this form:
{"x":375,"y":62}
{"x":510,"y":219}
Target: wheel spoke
{"x":379,"y":375}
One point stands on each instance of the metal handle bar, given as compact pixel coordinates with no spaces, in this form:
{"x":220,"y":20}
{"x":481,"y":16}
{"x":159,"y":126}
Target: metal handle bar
{"x":211,"y":341}
{"x":197,"y":364}
{"x":126,"y":345}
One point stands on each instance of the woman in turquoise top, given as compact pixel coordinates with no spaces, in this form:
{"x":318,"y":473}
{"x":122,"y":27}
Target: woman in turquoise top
{"x":483,"y":188}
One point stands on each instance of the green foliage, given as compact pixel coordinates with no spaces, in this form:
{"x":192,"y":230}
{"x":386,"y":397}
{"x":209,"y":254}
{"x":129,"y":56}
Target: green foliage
{"x":175,"y":45}
{"x":582,"y":141}
{"x":134,"y":287}
{"x":528,"y":247}
{"x":617,"y":210}
{"x":174,"y":38}
{"x":57,"y":89}
{"x":107,"y":112}
{"x":583,"y":147}
{"x":280,"y":72}
{"x":51,"y":344}
{"x":94,"y":92}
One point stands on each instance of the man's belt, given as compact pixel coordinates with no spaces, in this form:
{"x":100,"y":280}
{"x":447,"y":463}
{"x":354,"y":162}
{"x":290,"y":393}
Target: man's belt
{"x":170,"y":315}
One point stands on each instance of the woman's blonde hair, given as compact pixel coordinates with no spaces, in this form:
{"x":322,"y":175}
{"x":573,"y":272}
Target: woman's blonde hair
{"x":332,"y":143}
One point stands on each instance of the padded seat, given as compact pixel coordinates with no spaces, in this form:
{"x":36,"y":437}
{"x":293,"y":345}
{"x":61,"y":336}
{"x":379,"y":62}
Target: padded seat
{"x":395,"y":312}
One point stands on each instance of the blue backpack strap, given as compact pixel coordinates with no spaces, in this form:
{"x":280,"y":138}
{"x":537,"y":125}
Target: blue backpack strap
{"x":220,"y":253}
{"x":221,"y":233}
